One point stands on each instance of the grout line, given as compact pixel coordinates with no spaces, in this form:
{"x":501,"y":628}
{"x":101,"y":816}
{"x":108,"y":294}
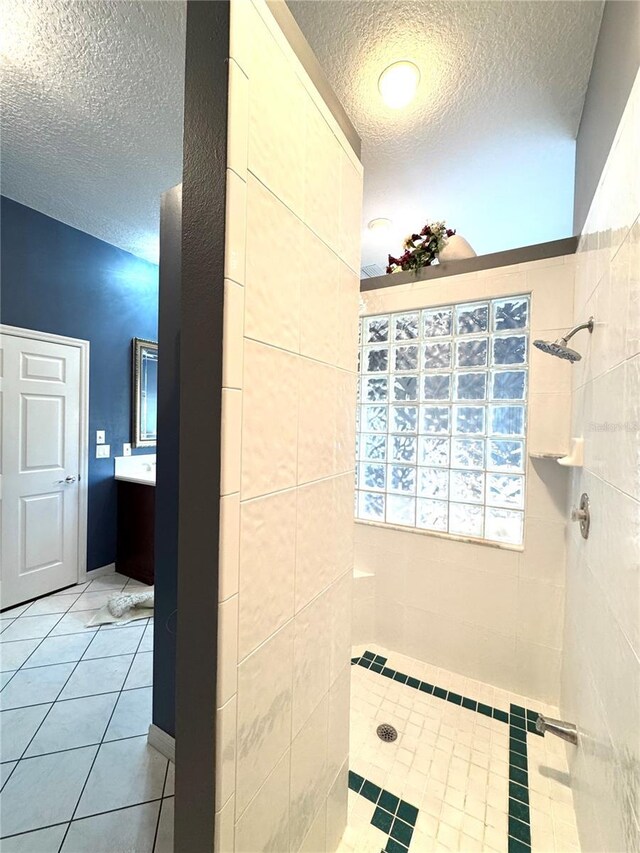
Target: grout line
{"x":164,"y":785}
{"x":102,"y":741}
{"x":88,"y":817}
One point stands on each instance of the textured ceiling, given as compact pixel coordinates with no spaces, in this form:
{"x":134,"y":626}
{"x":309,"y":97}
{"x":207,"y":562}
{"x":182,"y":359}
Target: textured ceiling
{"x":488,"y":143}
{"x":92,"y":112}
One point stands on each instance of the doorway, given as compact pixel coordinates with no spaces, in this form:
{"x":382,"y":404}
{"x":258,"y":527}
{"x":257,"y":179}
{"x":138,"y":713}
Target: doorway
{"x":44,"y":459}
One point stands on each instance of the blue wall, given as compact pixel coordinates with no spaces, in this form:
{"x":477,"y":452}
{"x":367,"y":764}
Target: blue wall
{"x":58,"y":279}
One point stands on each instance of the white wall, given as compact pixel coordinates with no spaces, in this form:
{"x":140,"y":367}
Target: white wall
{"x":601,"y":668}
{"x":294,"y":191}
{"x":490,"y":613}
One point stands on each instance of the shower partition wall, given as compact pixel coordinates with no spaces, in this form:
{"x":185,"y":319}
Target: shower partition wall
{"x":294,"y":186}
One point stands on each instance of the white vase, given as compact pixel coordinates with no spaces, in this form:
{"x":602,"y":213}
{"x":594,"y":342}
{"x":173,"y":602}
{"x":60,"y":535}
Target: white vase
{"x":456,"y":249}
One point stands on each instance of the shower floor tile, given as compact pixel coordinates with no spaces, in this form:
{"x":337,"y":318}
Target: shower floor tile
{"x":463,"y":758}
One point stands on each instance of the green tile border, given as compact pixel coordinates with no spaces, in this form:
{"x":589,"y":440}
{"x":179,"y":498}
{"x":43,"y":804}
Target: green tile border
{"x":521,"y":722}
{"x":393,"y":816}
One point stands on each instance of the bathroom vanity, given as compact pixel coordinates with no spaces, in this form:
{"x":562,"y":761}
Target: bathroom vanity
{"x":136,"y":476}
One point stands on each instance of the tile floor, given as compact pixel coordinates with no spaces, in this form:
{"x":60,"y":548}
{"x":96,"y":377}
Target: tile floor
{"x":77,"y":774}
{"x":455,"y":764}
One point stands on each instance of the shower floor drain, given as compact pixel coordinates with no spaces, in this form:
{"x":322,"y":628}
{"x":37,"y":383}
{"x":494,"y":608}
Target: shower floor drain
{"x":387,"y":732}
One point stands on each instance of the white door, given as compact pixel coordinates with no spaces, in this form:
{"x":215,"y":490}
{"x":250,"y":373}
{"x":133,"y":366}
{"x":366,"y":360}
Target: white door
{"x":40,"y":462}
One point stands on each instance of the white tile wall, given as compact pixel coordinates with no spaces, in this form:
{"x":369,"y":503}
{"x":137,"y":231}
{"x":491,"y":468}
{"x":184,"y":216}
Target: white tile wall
{"x":294,"y":191}
{"x":601,"y":666}
{"x":488,"y":613}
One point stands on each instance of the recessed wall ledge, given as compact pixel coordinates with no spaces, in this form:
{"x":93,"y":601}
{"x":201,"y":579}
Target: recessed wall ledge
{"x":525,"y":254}
{"x":501,"y":546}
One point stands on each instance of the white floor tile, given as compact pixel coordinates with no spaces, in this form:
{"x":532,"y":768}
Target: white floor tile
{"x":126,"y":772}
{"x":12,"y":612}
{"x":6,"y":676}
{"x":113,"y":581}
{"x":52,"y":604}
{"x":76,"y":722}
{"x":29,"y":627}
{"x":108,"y":643}
{"x":170,"y":784}
{"x":5,"y":771}
{"x":164,"y":841}
{"x":132,"y":715}
{"x":41,"y":841}
{"x":13,"y":655}
{"x":147,"y":639}
{"x":17,"y":727}
{"x":35,"y":686}
{"x":141,"y":621}
{"x":130,"y":830}
{"x":65,"y":649}
{"x":93,"y":600}
{"x":74,"y":622}
{"x":43,"y":791}
{"x":104,"y":675}
{"x":4,"y":623}
{"x":141,"y":673}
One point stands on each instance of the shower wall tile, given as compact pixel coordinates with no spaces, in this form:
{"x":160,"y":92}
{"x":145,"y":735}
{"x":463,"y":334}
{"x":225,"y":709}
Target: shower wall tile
{"x":227,"y":650}
{"x":269,"y":420}
{"x":265,"y":823}
{"x":316,"y":838}
{"x":264,"y":712}
{"x":267,"y":567}
{"x":600,"y":680}
{"x":226,"y":750}
{"x":322,"y":178}
{"x":459,"y":604}
{"x":274,"y":271}
{"x":310,"y":659}
{"x":225,"y":827}
{"x":235,"y":228}
{"x":233,"y":326}
{"x":319,"y":293}
{"x":238,"y":121}
{"x":231,"y":430}
{"x":229,"y":559}
{"x":309,"y":779}
{"x":290,"y":342}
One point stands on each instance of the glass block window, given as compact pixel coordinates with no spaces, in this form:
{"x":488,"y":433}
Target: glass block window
{"x":442,"y":419}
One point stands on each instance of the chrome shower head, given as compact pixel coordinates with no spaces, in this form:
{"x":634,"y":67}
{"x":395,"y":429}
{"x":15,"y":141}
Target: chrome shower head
{"x":559,"y":347}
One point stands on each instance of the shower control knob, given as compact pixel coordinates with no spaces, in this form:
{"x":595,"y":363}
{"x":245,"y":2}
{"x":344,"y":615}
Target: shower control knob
{"x":582,"y":515}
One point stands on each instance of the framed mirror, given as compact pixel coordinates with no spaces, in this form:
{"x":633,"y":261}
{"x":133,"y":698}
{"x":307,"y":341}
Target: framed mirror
{"x":145,"y":392}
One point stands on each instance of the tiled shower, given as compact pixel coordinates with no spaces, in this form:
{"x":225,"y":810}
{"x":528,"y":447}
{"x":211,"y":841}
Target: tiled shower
{"x":460,"y":644}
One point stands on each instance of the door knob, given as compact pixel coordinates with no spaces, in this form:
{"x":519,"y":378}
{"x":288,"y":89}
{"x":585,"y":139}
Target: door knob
{"x":68,"y":480}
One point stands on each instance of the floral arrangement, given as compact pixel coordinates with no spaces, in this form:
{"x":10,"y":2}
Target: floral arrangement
{"x":421,"y":250}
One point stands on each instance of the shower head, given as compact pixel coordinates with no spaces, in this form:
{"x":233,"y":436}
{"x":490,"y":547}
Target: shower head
{"x":559,"y":347}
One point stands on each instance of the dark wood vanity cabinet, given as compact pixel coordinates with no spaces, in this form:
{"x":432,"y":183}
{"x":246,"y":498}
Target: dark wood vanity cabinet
{"x":136,"y":523}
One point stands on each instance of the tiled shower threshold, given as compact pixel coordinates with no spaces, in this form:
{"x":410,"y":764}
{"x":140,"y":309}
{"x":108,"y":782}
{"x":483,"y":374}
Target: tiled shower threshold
{"x":468,"y":771}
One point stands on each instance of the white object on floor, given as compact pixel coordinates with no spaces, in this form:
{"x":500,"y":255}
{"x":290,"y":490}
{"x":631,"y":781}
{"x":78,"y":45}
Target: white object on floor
{"x":123,"y":608}
{"x":456,"y":249}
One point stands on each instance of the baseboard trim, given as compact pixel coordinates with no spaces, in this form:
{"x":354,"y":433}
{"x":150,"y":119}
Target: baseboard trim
{"x":164,"y":743}
{"x":98,"y":573}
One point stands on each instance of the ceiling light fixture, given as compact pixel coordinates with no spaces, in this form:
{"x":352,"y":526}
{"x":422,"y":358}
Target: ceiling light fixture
{"x":398,"y":84}
{"x":380,"y":224}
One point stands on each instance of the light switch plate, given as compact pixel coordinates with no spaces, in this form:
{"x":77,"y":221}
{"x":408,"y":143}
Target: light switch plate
{"x":100,"y":436}
{"x":103,"y":451}
{"x":126,"y":450}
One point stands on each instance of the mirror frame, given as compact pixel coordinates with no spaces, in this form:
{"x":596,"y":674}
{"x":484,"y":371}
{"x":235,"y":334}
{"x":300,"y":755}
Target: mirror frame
{"x":138,"y":344}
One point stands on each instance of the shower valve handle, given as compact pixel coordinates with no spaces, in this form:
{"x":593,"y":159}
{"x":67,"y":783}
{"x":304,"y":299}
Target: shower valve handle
{"x":578,"y":514}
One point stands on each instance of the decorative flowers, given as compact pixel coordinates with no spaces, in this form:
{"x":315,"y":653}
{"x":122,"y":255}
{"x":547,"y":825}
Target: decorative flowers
{"x":421,"y":250}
